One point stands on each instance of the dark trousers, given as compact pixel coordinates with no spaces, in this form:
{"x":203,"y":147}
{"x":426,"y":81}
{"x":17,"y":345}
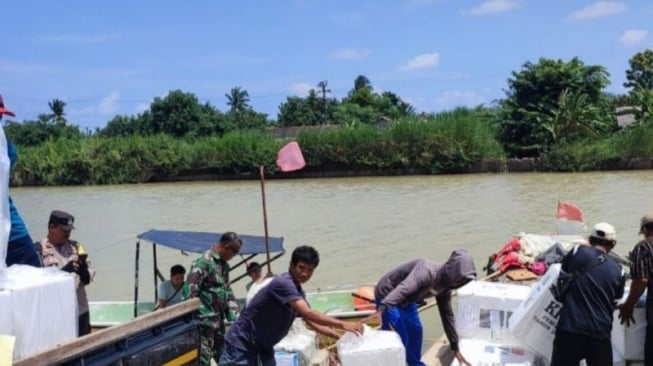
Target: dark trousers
{"x":648,"y":346}
{"x":232,"y":356}
{"x":569,"y":349}
{"x":84,"y":324}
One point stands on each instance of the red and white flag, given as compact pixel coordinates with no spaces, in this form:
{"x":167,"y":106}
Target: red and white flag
{"x":569,"y":211}
{"x":569,"y":219}
{"x":290,"y":157}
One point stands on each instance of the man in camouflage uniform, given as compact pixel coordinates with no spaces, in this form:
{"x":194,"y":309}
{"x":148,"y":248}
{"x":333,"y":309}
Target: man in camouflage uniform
{"x":208,"y":279}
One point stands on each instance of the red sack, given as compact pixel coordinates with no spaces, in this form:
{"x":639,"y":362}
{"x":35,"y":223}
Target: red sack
{"x":511,"y":260}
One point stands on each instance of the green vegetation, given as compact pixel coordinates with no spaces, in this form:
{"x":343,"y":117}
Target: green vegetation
{"x":554,"y":110}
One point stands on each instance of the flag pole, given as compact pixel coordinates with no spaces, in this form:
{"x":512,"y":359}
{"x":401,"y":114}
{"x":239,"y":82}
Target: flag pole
{"x":265,"y":217}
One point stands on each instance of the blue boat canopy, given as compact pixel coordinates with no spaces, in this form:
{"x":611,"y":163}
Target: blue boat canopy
{"x":198,"y":242}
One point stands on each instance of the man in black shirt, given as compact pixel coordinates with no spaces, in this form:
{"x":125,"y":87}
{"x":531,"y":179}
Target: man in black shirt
{"x":641,"y":271}
{"x":585,"y":323}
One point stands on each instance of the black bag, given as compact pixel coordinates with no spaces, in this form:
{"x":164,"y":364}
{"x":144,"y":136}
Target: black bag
{"x":562,"y":285}
{"x":560,"y":288}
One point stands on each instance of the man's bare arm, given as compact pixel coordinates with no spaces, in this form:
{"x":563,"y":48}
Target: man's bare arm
{"x":315,"y":317}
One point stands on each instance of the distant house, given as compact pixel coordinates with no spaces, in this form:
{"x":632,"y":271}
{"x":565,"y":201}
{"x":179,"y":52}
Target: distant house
{"x":383,"y":122}
{"x":626,"y":115}
{"x":291,"y":132}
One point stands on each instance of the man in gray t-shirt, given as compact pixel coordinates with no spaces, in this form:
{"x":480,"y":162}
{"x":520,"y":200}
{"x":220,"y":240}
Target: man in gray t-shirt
{"x":174,"y":290}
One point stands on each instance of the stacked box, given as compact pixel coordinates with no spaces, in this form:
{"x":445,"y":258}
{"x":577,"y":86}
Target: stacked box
{"x":373,"y":348}
{"x":29,"y":297}
{"x":481,"y":352}
{"x":534,"y":321}
{"x":485,"y":307}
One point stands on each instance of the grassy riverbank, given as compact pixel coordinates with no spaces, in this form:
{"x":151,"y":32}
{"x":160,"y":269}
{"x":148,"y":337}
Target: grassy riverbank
{"x":454,"y":142}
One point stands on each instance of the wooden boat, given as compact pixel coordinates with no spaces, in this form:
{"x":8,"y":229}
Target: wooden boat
{"x":166,"y":337}
{"x":108,"y":313}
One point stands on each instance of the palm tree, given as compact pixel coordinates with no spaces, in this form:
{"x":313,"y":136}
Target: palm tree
{"x":57,"y":116}
{"x":323,"y":88}
{"x":237,"y":99}
{"x":574,"y":117}
{"x":362,"y":82}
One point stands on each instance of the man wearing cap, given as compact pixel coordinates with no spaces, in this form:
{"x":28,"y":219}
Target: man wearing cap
{"x":399,"y":290}
{"x":57,"y":250}
{"x":208,"y":280}
{"x":585,"y":323}
{"x":20,"y":249}
{"x":641,"y":271}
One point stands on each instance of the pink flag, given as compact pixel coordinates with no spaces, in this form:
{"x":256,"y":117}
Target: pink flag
{"x":569,"y":211}
{"x":290,"y":157}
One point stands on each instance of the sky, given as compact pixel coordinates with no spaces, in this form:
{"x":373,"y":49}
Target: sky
{"x":107,"y":59}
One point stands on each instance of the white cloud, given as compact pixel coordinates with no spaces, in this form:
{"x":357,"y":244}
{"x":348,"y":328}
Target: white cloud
{"x":634,"y":37}
{"x":14,"y":67}
{"x":599,"y":9}
{"x":77,"y":39}
{"x":457,"y":98}
{"x":424,"y":61}
{"x":300,"y":88}
{"x":349,"y":54}
{"x":493,"y":7}
{"x":110,"y":104}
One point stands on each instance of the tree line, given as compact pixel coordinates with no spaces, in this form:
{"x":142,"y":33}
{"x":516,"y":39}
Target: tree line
{"x":548,"y":104}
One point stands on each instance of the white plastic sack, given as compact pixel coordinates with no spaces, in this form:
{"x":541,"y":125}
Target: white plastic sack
{"x":373,"y":348}
{"x":255,"y":288}
{"x":483,"y":309}
{"x":299,"y":340}
{"x":534,"y":321}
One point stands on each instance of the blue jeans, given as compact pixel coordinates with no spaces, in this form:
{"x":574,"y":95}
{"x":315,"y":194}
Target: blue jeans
{"x":22,"y":251}
{"x":232,"y":356}
{"x":405,"y":321}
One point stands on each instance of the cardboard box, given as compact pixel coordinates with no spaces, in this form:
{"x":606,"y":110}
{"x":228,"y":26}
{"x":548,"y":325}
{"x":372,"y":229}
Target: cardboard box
{"x":534,"y":321}
{"x":483,"y":309}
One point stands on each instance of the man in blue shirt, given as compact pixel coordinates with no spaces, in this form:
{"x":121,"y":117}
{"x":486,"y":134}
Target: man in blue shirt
{"x":268,"y":318}
{"x":20,"y":249}
{"x":585,"y":323}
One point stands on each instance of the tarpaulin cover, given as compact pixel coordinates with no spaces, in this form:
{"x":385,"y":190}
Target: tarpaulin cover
{"x":198,"y":242}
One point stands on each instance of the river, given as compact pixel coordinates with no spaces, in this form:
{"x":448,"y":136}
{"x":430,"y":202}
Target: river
{"x":362,"y":227}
